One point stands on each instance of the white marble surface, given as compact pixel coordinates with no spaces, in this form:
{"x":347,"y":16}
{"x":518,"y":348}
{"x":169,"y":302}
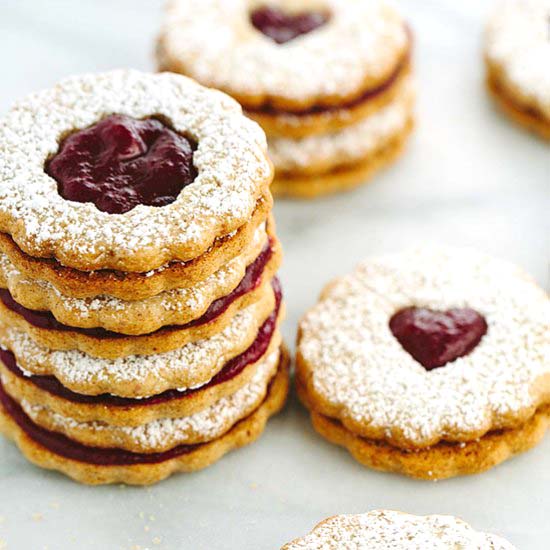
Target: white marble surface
{"x":468,"y":177}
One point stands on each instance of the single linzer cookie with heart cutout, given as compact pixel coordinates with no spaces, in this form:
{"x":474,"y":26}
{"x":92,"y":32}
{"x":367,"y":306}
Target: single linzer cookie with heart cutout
{"x":432,"y":362}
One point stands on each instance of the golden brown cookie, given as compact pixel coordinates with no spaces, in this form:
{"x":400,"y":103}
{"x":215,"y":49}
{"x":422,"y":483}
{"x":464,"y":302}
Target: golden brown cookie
{"x":521,"y":113}
{"x":430,"y":347}
{"x":165,"y":433}
{"x":140,"y":317}
{"x":344,"y":177}
{"x":138,"y":286}
{"x":142,"y":375}
{"x":39,"y":303}
{"x":516,"y":55}
{"x":443,"y":460}
{"x":301,"y":125}
{"x":318,"y":154}
{"x":48,"y":391}
{"x":112,"y":346}
{"x":75,"y":460}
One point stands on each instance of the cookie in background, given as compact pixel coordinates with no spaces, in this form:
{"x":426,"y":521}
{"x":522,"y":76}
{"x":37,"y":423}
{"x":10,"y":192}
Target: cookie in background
{"x":517,"y":50}
{"x":330,"y":82}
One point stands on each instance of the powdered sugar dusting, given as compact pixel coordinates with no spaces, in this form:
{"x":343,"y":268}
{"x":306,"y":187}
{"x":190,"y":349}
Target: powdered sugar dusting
{"x":166,"y":433}
{"x":349,"y":145}
{"x":230,"y":159}
{"x":388,"y":530}
{"x":359,"y":367}
{"x":216,"y":44}
{"x":518,"y":42}
{"x":140,"y":375}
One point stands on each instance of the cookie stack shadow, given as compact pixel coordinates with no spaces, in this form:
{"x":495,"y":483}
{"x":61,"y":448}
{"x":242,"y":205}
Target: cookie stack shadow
{"x":129,"y":377}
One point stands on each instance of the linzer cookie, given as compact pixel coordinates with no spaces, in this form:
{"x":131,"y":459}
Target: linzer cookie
{"x":139,"y":307}
{"x":385,"y":529}
{"x":431,"y":363}
{"x":330,"y":83}
{"x":517,"y":49}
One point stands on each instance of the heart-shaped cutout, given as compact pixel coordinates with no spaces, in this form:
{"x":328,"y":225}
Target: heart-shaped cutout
{"x":435,"y":338}
{"x":282,"y":27}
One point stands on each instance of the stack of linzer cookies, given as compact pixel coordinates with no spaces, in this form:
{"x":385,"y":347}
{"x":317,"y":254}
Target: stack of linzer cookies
{"x":139,"y":312}
{"x":329,"y":82}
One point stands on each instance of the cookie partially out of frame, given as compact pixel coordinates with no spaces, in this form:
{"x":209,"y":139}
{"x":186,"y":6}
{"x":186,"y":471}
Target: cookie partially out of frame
{"x":386,"y":529}
{"x":517,"y":49}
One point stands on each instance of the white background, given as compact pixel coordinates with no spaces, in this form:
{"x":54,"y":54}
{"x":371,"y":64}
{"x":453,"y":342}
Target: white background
{"x":468,"y":177}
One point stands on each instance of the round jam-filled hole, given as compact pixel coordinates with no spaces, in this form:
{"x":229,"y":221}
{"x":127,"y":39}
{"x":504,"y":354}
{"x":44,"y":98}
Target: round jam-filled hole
{"x":282,"y":27}
{"x":122,"y":162}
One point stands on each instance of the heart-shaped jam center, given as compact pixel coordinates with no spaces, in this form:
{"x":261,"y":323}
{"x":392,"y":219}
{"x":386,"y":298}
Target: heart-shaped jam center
{"x":121,"y":162}
{"x":435,"y":338}
{"x":282,"y":27}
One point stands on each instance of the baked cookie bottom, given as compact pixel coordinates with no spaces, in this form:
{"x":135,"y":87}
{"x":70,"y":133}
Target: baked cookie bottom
{"x":141,"y":470}
{"x":515,"y":108}
{"x":343,"y":178}
{"x":397,"y":439}
{"x":132,"y":285}
{"x":443,"y":460}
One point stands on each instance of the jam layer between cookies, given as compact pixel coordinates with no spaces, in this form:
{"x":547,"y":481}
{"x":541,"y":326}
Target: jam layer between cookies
{"x":250,"y":281}
{"x":361,"y":99}
{"x":65,"y":447}
{"x":230,"y":370}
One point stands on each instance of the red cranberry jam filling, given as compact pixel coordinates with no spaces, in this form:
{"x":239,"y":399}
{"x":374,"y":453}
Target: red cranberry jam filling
{"x":231,"y":369}
{"x":362,"y":98}
{"x":121,"y":162}
{"x":283,"y":27}
{"x":61,"y":445}
{"x":435,"y":338}
{"x":45,"y":319}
